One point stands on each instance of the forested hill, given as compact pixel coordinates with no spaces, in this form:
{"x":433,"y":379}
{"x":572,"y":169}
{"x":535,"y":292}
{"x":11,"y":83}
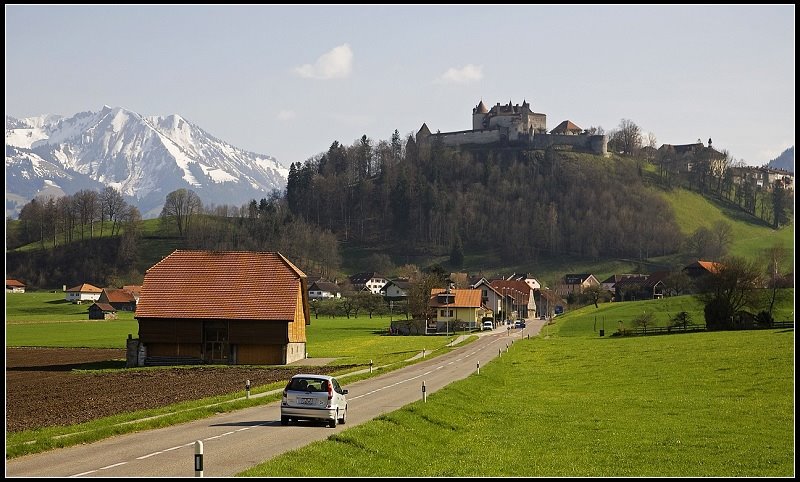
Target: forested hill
{"x":522,"y":204}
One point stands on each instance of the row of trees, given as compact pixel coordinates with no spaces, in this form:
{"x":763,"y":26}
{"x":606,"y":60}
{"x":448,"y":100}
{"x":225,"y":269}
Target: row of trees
{"x":83,"y":215}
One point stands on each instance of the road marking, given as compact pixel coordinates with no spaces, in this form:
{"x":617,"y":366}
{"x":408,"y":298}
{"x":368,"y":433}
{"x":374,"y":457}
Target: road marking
{"x":112,"y":466}
{"x":83,"y":473}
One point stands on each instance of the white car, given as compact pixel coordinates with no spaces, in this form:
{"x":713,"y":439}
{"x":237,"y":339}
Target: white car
{"x":314,"y":397}
{"x":488,"y":325}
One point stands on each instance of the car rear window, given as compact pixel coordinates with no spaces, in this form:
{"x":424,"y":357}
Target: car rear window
{"x":309,"y":385}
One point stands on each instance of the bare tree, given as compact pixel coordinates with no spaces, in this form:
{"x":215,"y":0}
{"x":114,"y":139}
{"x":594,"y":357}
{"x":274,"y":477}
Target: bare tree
{"x":112,"y":205}
{"x":627,"y":138}
{"x":181,"y":205}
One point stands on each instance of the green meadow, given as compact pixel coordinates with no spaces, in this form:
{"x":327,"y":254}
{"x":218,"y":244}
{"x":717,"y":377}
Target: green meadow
{"x":709,"y":404}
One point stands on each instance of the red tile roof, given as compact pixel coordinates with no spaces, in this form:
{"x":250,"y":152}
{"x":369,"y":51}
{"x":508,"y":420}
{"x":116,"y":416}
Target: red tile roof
{"x":514,"y":289}
{"x":13,"y":282}
{"x":85,"y":288}
{"x":104,"y":307}
{"x":221,"y":285}
{"x":710,"y":266}
{"x":566,"y":126}
{"x":117,"y":296}
{"x":463,"y":298}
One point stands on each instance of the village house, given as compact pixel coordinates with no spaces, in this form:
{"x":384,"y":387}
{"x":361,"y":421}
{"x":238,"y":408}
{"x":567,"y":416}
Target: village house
{"x":118,"y":298}
{"x":83,"y":292}
{"x":490,"y":297}
{"x":576,"y":283}
{"x":233,"y":307}
{"x":396,"y":290}
{"x":14,"y":286}
{"x":323,"y":290}
{"x":370,"y":281}
{"x":517,"y":298}
{"x":463,"y":306}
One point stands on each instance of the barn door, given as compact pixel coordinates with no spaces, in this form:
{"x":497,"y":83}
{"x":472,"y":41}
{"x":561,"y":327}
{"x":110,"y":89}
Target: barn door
{"x":215,"y":342}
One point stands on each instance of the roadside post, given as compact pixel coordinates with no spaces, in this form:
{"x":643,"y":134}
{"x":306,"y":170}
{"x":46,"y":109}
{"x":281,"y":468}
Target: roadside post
{"x":424,"y":395}
{"x":370,"y":366}
{"x":479,"y":368}
{"x":247,"y":388}
{"x":198,"y":458}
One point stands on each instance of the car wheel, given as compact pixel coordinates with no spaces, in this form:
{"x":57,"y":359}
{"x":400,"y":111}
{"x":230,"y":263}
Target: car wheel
{"x":284,"y":420}
{"x":332,"y":422}
{"x":343,"y":420}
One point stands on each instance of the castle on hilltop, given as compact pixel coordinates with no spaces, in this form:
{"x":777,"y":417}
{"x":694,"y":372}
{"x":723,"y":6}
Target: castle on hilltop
{"x":517,"y":125}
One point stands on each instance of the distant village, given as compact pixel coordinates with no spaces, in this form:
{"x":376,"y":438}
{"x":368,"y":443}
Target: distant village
{"x":239,"y":307}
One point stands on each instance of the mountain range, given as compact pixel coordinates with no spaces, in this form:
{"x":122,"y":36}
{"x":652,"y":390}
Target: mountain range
{"x":145,"y":158}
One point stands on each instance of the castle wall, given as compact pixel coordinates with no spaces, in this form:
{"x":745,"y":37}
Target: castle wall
{"x":588,"y":143}
{"x":453,"y":139}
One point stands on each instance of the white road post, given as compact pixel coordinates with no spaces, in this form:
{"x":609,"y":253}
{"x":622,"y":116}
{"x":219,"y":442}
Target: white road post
{"x":198,"y":458}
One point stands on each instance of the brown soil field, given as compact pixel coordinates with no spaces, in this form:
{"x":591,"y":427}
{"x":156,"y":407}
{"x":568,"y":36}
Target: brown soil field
{"x":64,"y":386}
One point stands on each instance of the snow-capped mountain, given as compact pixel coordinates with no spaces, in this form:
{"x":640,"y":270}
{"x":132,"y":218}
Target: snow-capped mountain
{"x":145,"y":158}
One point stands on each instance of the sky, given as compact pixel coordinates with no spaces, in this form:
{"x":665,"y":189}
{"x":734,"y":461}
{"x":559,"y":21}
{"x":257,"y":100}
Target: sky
{"x":289,"y":80}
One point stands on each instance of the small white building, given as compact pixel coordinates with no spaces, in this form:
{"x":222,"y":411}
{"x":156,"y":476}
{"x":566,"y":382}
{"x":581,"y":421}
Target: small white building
{"x":323,"y":290}
{"x":83,"y":292}
{"x":14,"y":286}
{"x":371,"y":281}
{"x":395,"y":290}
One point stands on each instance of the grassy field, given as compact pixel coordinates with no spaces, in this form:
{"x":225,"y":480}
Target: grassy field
{"x":704,"y":404}
{"x":749,"y":239}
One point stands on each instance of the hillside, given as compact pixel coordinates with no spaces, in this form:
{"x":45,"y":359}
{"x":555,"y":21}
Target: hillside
{"x":692,"y":211}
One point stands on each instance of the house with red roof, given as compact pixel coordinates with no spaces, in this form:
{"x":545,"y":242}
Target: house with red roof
{"x":701,"y":268}
{"x":120,"y":299}
{"x":83,"y":292}
{"x":233,"y":307}
{"x":14,"y":286}
{"x":458,"y":305}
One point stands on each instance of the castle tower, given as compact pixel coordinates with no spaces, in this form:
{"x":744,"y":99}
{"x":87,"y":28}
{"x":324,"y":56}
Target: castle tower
{"x":478,"y":116}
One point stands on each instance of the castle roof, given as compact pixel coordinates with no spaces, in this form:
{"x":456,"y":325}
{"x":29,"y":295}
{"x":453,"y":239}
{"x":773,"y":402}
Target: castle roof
{"x":566,"y":127}
{"x":424,"y":130}
{"x":482,"y":108}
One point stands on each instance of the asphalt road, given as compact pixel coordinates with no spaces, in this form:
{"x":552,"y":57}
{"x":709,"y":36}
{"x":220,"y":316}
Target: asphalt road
{"x":233,"y":442}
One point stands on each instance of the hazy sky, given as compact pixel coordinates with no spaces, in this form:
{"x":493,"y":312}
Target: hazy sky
{"x":289,"y":80}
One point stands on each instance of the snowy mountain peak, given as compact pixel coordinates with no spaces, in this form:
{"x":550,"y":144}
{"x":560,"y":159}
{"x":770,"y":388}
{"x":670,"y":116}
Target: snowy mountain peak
{"x":144,"y":157}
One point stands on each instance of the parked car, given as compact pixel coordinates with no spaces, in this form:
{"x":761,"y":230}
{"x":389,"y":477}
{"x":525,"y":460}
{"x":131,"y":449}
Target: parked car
{"x":519,"y":324}
{"x":314,"y":397}
{"x":488,"y":325}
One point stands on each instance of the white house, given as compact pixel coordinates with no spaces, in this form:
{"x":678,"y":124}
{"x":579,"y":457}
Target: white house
{"x":323,"y":290}
{"x":14,"y":286}
{"x":490,"y":297}
{"x":83,"y":292}
{"x":371,"y":281}
{"x":396,"y":290}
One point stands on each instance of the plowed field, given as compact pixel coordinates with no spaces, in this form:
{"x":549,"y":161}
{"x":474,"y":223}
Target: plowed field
{"x":64,"y":386}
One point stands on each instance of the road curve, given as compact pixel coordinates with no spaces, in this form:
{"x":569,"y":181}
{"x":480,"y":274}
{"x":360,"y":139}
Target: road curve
{"x":236,"y":441}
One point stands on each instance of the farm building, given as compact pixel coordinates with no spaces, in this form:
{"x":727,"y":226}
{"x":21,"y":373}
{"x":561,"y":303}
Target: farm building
{"x":118,"y":298}
{"x":233,"y":307}
{"x":14,"y":286}
{"x":102,"y":311}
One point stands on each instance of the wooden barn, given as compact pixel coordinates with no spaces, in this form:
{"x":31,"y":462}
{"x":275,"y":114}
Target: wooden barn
{"x":234,"y":307}
{"x":102,"y":311}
